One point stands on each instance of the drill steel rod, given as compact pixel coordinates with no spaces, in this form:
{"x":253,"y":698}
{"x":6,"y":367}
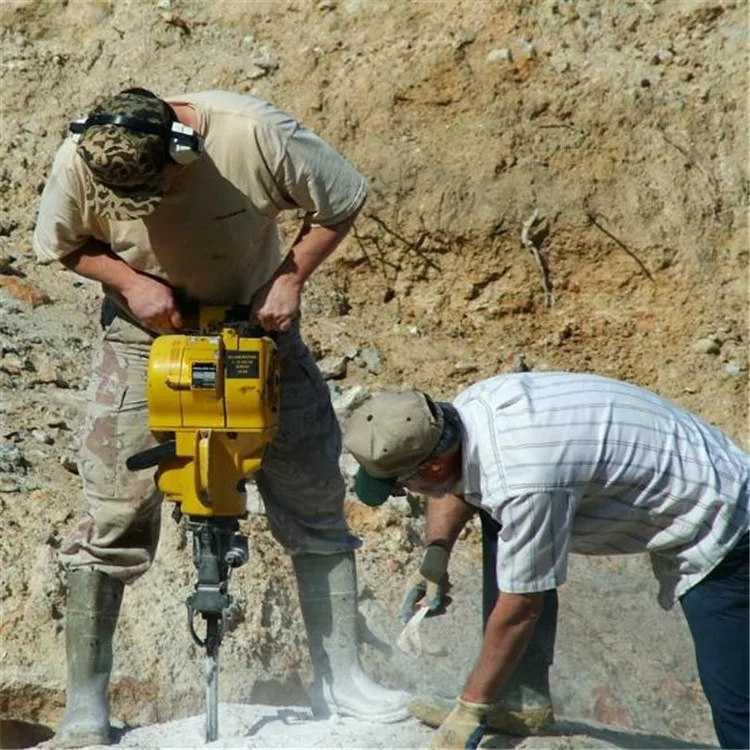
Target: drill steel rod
{"x":212,"y":695}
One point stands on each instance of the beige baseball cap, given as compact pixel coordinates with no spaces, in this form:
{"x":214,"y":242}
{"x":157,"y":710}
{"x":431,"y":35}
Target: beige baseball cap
{"x":391,"y":435}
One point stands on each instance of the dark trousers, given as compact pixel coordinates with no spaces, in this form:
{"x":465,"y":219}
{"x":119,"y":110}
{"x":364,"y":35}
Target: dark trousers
{"x":541,"y":648}
{"x":717,"y":614}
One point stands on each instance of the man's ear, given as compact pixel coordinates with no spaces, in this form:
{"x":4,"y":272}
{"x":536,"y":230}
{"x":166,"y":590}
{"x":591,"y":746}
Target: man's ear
{"x":432,"y":468}
{"x":438,"y":468}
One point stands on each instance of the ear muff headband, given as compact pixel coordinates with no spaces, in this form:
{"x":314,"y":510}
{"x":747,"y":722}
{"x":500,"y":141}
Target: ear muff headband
{"x":183,"y":143}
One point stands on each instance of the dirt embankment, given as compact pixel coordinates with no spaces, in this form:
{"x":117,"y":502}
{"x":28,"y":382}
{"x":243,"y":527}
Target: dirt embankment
{"x":559,"y":181}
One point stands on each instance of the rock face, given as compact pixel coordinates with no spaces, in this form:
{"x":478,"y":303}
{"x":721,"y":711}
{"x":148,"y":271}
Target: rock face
{"x":559,"y":183}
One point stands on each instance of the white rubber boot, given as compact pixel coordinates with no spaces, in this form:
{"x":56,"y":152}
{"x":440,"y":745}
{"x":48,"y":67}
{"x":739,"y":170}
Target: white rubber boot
{"x":328,"y":599}
{"x":90,"y":619}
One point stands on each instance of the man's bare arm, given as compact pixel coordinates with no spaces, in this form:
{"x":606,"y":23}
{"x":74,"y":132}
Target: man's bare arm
{"x":97,"y":262}
{"x":506,"y":637}
{"x":150,"y":300}
{"x":277,"y":303}
{"x":445,"y":518}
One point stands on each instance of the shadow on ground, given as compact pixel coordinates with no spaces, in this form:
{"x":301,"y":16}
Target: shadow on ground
{"x":579,"y":734}
{"x":15,"y":734}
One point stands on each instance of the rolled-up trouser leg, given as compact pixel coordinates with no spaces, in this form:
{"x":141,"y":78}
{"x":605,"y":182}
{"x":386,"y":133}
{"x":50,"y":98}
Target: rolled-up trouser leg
{"x":119,"y":528}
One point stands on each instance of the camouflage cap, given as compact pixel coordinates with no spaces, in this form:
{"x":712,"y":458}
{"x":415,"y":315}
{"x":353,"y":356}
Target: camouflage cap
{"x":125,"y":166}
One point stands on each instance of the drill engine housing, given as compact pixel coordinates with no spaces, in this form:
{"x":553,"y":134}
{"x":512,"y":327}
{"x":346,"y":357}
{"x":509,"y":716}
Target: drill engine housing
{"x":217,"y":393}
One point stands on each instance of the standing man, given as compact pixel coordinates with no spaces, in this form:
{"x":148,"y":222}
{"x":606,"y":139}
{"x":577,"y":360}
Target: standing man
{"x":564,"y":463}
{"x":162,"y":200}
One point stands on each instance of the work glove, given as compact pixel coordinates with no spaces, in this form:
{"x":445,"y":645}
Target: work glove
{"x":430,"y":583}
{"x":464,"y":727}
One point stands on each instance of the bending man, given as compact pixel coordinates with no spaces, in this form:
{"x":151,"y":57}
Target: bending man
{"x":577,"y":463}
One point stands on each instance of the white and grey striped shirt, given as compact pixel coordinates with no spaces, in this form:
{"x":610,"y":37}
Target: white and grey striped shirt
{"x":569,"y":462}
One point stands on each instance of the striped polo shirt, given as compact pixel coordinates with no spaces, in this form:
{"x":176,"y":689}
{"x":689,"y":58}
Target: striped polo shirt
{"x":569,"y":462}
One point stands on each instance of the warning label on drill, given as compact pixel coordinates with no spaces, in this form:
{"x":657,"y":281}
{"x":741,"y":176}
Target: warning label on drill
{"x":203,"y":375}
{"x":243,"y":365}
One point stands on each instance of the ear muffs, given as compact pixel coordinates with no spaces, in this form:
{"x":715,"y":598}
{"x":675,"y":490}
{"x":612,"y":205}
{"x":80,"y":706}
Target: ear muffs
{"x":183,"y":144}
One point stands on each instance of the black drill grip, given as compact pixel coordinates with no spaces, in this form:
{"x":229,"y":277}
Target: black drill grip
{"x":152,"y":456}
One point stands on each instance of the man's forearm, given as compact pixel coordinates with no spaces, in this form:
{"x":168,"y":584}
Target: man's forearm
{"x":445,"y":517}
{"x":506,"y":637}
{"x":97,"y":262}
{"x":312,"y":246}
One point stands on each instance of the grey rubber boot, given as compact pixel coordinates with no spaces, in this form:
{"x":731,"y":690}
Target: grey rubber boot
{"x":90,"y":619}
{"x":328,"y":599}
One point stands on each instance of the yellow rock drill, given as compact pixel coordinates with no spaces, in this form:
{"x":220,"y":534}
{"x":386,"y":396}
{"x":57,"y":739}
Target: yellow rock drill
{"x":213,"y":402}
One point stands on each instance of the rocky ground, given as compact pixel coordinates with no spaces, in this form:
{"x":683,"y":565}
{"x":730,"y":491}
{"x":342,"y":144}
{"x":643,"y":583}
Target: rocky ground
{"x":561,"y":182}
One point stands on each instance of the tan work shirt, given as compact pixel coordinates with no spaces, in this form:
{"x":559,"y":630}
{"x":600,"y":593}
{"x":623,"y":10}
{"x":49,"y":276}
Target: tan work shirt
{"x":214,"y":235}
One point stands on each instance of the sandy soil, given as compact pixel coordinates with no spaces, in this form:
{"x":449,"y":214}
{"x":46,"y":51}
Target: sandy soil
{"x":563,"y":181}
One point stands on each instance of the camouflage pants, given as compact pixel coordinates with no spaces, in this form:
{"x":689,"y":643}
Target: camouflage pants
{"x":300,"y":480}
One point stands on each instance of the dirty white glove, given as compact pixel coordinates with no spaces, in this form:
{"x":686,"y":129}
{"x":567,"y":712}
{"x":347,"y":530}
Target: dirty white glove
{"x":429,"y":583}
{"x":464,"y":727}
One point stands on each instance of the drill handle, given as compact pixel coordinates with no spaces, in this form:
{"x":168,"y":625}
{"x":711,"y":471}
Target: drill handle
{"x":152,"y":456}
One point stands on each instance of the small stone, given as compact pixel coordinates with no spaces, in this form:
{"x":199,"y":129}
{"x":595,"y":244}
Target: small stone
{"x":11,"y":459}
{"x":371,"y":359}
{"x":256,"y":72}
{"x":349,"y":467}
{"x":345,"y":403}
{"x":44,"y":368}
{"x":464,"y":368}
{"x":12,"y":364}
{"x":69,"y":464}
{"x":664,"y":56}
{"x":333,"y":368}
{"x":9,"y":484}
{"x":164,"y":4}
{"x":733,"y":369}
{"x":527,"y":48}
{"x":500,"y":55}
{"x":708,"y":345}
{"x":254,"y":500}
{"x":6,"y":259}
{"x":519,"y":363}
{"x":42,"y":437}
{"x":262,"y":65}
